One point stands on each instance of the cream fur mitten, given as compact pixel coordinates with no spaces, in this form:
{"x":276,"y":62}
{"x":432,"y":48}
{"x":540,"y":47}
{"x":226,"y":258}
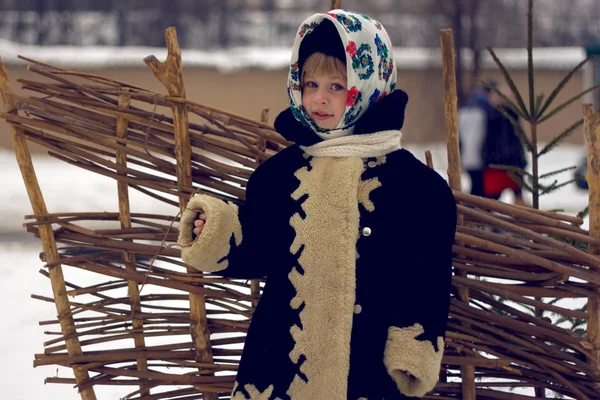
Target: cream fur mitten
{"x":403,"y":352}
{"x":209,"y":250}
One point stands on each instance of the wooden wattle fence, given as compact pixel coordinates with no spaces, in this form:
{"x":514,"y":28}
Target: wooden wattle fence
{"x":169,"y":332}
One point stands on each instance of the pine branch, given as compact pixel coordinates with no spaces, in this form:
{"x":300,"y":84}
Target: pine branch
{"x":505,"y":99}
{"x":561,"y":85}
{"x":517,"y":126}
{"x":554,"y":187}
{"x":520,"y":181}
{"x":538,"y":103}
{"x":568,"y":102}
{"x":568,"y":132}
{"x":511,"y":84}
{"x":560,"y":171}
{"x":584,"y":213}
{"x":512,"y":168}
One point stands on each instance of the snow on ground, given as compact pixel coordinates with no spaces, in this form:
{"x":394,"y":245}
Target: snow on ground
{"x":67,"y":188}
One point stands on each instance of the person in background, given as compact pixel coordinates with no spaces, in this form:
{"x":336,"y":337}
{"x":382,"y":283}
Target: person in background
{"x":472,"y":129}
{"x":502,"y":146}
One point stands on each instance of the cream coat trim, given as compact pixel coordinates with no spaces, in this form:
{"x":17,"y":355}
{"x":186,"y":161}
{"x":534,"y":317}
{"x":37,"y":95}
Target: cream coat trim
{"x":364,"y":193}
{"x":212,"y":244}
{"x":254,"y":393}
{"x":403,"y":352}
{"x":326,"y":289}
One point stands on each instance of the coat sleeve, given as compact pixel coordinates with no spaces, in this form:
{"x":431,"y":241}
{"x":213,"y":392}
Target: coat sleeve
{"x":232,"y":242}
{"x":415,"y":341}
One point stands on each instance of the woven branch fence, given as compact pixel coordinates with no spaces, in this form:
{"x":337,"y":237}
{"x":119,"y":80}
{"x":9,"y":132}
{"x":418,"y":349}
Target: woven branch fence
{"x":129,"y":312}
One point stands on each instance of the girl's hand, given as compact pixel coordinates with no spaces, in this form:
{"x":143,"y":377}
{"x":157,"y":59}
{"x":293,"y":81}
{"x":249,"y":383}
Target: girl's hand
{"x":199,"y":224}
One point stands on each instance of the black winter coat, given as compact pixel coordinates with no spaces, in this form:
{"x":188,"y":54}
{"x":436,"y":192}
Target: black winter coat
{"x":502,"y":145}
{"x":357,"y":258}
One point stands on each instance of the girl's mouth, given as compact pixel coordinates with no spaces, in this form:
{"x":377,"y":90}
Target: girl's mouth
{"x":321,"y":116}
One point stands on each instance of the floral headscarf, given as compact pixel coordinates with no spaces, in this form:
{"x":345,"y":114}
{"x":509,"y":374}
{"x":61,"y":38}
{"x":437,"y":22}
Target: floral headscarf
{"x":369,"y":65}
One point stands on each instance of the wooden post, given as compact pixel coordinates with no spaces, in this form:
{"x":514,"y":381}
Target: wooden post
{"x":170,"y":74}
{"x":451,"y":109}
{"x":454,"y":171}
{"x":336,"y":4}
{"x":129,"y":258}
{"x":429,"y":159}
{"x":38,"y":205}
{"x":592,"y":135}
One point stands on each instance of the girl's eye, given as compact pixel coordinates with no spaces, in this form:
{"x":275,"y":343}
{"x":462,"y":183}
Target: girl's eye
{"x":337,"y":86}
{"x":311,"y":84}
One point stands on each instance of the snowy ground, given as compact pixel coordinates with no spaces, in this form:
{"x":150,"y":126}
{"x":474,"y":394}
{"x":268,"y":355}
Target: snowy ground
{"x":22,"y":337}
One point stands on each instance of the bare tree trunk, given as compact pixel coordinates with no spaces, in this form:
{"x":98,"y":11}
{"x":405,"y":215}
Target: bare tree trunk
{"x":120,"y":8}
{"x":223,"y":25}
{"x":459,"y":44}
{"x":41,"y":32}
{"x":474,"y":44}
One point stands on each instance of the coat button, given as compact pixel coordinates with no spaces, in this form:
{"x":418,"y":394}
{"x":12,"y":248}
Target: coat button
{"x":357,"y":309}
{"x":366,"y":231}
{"x":371,"y":164}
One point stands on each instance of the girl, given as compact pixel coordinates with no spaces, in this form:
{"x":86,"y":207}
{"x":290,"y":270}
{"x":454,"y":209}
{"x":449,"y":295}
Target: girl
{"x":352,"y":232}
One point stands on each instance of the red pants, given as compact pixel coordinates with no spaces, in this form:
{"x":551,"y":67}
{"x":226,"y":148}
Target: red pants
{"x":495,"y":181}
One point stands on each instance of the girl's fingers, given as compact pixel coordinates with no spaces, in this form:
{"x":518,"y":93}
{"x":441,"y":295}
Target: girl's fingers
{"x":199,"y":223}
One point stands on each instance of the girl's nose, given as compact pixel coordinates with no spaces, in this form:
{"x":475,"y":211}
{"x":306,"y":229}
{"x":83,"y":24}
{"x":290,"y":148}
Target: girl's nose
{"x":320,"y":97}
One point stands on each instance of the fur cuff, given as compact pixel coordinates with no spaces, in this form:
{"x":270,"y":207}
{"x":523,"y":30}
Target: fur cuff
{"x":209,"y":250}
{"x":403,"y":352}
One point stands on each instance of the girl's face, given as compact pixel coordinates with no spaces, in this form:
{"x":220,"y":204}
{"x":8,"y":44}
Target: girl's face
{"x":324,"y":99}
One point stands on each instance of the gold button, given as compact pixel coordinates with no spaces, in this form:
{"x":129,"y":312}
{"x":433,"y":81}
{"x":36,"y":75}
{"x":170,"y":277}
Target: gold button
{"x":357,"y":309}
{"x":366,"y":231}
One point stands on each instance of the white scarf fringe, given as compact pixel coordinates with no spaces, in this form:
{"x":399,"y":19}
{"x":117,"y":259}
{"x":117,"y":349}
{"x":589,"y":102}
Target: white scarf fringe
{"x":365,"y":145}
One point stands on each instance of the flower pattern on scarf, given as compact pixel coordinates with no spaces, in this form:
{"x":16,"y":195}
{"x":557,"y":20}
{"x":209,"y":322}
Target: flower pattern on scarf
{"x":362,"y":62}
{"x":374,"y":97}
{"x":349,"y":21}
{"x":353,"y":94}
{"x":307,"y":28}
{"x":386,"y":65}
{"x":352,"y":114}
{"x":295,"y":76}
{"x":351,"y":49}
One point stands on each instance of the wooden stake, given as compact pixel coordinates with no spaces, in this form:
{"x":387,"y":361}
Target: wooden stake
{"x":451,"y":109}
{"x":125,"y":218}
{"x":592,"y":135}
{"x":170,"y":74}
{"x":454,"y":170}
{"x":429,"y":159}
{"x":46,"y":235}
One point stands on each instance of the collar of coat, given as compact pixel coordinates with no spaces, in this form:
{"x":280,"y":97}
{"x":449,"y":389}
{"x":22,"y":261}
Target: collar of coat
{"x":385,"y":115}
